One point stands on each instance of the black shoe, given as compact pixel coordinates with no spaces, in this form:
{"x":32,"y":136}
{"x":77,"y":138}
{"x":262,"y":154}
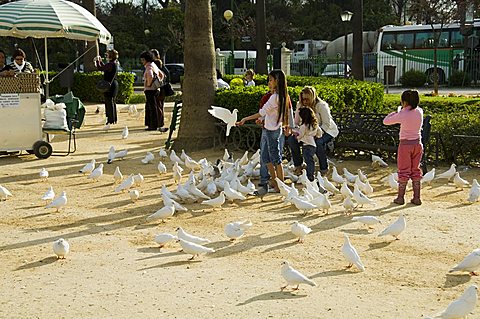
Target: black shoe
{"x":97,"y":111}
{"x":262,"y":191}
{"x":150,"y":129}
{"x":163,"y":129}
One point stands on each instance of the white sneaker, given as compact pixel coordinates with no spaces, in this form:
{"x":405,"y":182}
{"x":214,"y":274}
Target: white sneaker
{"x":106,"y":127}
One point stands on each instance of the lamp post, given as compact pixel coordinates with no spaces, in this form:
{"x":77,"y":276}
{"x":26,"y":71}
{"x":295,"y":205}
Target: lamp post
{"x":346,"y":16}
{"x":228,"y":15}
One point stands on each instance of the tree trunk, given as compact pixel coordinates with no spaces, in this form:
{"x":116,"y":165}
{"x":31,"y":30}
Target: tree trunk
{"x":88,"y":64}
{"x":261,"y":39}
{"x":197,"y":125}
{"x":357,"y":54}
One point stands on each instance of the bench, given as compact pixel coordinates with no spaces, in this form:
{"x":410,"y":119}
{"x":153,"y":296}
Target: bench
{"x":366,"y":132}
{"x":174,"y":122}
{"x":467,"y":147}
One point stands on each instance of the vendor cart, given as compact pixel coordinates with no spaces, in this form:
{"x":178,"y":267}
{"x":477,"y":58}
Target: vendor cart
{"x":20,"y":116}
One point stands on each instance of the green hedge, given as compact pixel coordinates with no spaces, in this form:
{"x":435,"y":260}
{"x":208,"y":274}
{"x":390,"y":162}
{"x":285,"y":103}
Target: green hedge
{"x":438,"y":104}
{"x":84,"y":86}
{"x":342,"y":95}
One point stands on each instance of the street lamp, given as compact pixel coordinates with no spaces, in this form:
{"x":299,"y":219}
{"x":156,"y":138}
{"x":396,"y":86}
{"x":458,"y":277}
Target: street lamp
{"x":346,"y":16}
{"x":228,"y":15}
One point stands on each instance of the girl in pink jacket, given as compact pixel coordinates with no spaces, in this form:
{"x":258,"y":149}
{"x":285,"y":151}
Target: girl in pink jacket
{"x":410,"y":149}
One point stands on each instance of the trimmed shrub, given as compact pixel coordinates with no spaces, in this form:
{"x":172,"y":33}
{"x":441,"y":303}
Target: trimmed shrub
{"x":459,"y":78}
{"x":413,"y":78}
{"x":84,"y":86}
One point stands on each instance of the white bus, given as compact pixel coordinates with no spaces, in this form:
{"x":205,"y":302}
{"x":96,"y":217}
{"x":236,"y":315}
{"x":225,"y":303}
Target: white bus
{"x":241,"y":63}
{"x":402,"y":48}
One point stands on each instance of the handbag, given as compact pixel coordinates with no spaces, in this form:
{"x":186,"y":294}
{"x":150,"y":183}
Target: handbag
{"x":168,"y":89}
{"x":156,"y":84}
{"x":103,"y":86}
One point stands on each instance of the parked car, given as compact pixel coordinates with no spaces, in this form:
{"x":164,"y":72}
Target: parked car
{"x":336,"y":70}
{"x":176,"y":71}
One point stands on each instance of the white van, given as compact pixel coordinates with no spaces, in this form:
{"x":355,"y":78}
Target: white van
{"x":241,"y":65}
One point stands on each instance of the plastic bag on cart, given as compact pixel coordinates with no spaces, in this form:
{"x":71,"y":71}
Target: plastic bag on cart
{"x":55,"y":117}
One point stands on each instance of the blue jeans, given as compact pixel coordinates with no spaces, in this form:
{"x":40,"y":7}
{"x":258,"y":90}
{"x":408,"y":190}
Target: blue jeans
{"x":264,"y":175}
{"x":294,"y":146}
{"x":273,"y":152}
{"x":308,"y":153}
{"x":322,"y":150}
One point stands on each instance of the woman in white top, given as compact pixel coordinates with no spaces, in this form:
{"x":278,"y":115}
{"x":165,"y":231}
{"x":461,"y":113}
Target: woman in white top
{"x":309,"y":98}
{"x":275,"y":112}
{"x":248,"y":78}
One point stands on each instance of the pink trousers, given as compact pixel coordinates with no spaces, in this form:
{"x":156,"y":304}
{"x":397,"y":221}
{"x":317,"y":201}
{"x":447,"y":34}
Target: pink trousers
{"x":409,"y":156}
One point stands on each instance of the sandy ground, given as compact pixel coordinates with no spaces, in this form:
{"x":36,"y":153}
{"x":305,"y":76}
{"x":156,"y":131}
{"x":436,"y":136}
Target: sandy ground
{"x":115,"y":269}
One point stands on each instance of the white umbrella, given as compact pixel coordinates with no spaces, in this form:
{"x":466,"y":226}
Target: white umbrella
{"x":50,"y":19}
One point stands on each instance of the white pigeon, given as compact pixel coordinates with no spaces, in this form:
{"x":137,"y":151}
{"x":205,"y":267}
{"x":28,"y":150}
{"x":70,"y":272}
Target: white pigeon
{"x":337,"y":178}
{"x":345,"y":191}
{"x":396,"y":228}
{"x":167,"y":193}
{"x":361,"y":198}
{"x":215,"y":202}
{"x":235,"y":230}
{"x":474,"y":192}
{"x":461,"y":307}
{"x":163,"y":213}
{"x":134,"y":195}
{"x":126,"y":184}
{"x":43,"y":174}
{"x":89,"y":167}
{"x":322,"y":202}
{"x":61,"y":248}
{"x":125,"y":132}
{"x":193,"y":190}
{"x":138,"y":179}
{"x":361,"y":185}
{"x":351,"y":255}
{"x":378,"y":161}
{"x":362,"y":175}
{"x":470,"y":263}
{"x":183,"y":155}
{"x":162,"y":153}
{"x":244,"y":158}
{"x":367,"y":220}
{"x":303,"y":205}
{"x":162,"y":169}
{"x":329,"y":186}
{"x":300,"y":231}
{"x":348,"y":205}
{"x":181,"y":234}
{"x":174,"y":158}
{"x":4,"y":193}
{"x":58,"y":202}
{"x":448,"y":174}
{"x":149,"y":157}
{"x":230,"y":118}
{"x":232,"y":194}
{"x":367,"y":189}
{"x":49,"y":195}
{"x":111,"y":155}
{"x":191,"y":164}
{"x":349,"y":176}
{"x":460,"y":182}
{"x":226,"y":156}
{"x":194,"y":249}
{"x":294,"y":277}
{"x":167,"y":201}
{"x":117,"y":175}
{"x":177,"y":173}
{"x":96,"y":173}
{"x":392,"y":183}
{"x":428,"y":177}
{"x":164,"y":238}
{"x":211,"y":188}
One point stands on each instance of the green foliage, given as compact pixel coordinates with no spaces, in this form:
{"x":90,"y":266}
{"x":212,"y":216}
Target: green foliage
{"x":459,"y":78}
{"x":413,"y":78}
{"x":433,"y":105}
{"x":236,"y":82}
{"x":343,"y":96}
{"x":84,"y":86}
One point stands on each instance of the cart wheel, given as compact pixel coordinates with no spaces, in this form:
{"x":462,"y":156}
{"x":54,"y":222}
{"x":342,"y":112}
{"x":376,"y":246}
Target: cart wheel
{"x":42,"y":149}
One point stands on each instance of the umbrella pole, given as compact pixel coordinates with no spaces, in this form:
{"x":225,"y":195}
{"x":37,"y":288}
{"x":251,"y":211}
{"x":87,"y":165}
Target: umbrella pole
{"x":47,"y":82}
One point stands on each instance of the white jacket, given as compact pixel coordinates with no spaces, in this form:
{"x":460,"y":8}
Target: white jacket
{"x":324,"y":117}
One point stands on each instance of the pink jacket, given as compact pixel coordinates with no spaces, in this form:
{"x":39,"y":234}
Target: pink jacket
{"x":410,"y":121}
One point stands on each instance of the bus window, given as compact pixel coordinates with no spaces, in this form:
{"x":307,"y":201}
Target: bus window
{"x":457,"y":39}
{"x":397,"y":41}
{"x":426,"y":40}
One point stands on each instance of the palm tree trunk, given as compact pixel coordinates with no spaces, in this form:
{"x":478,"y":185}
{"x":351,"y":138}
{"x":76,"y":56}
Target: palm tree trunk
{"x":197,"y":125}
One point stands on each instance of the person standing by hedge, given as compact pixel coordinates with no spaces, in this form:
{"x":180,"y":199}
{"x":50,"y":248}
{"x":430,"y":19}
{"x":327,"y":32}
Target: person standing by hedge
{"x":151,"y":105}
{"x":161,"y":94}
{"x":410,"y":148}
{"x":308,"y":98}
{"x":276,"y":113}
{"x":109,"y":74}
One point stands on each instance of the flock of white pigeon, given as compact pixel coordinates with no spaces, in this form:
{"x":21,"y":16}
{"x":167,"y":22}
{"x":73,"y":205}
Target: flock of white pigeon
{"x":228,"y":180}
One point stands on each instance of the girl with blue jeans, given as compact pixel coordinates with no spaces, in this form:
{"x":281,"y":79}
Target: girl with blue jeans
{"x":309,"y":98}
{"x":306,"y":134}
{"x":275,"y":113}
